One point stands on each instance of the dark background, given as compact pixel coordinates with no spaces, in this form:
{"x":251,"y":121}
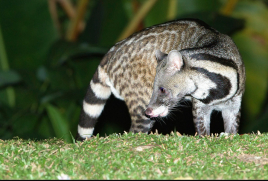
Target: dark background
{"x":46,"y":61}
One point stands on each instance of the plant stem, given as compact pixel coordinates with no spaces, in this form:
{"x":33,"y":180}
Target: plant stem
{"x":132,"y":26}
{"x":172,"y":9}
{"x":229,"y":7}
{"x":68,"y":8}
{"x":54,"y":15}
{"x":75,"y":24}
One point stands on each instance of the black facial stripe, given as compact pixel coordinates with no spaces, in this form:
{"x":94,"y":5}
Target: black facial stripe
{"x":222,"y":61}
{"x":223,"y":85}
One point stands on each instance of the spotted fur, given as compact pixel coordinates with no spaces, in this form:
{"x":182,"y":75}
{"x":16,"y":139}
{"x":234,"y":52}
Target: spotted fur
{"x":128,"y":69}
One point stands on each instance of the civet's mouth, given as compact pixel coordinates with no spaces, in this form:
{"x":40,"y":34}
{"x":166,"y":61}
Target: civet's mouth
{"x":161,"y":111}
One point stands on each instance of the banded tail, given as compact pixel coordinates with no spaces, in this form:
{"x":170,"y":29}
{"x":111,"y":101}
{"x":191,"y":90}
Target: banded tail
{"x":93,"y":104}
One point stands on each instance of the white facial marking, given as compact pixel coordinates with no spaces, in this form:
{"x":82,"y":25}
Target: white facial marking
{"x":160,"y":111}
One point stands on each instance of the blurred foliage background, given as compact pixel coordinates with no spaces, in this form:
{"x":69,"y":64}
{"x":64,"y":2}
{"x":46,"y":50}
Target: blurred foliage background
{"x":49,"y":50}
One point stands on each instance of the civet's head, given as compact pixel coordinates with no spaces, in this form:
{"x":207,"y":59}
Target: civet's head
{"x":171,"y":84}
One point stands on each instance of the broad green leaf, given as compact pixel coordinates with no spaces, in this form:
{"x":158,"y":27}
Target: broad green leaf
{"x":28,"y":31}
{"x":59,"y":123}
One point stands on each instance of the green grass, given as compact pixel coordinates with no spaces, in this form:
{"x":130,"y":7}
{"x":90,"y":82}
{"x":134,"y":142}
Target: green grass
{"x":137,"y":156}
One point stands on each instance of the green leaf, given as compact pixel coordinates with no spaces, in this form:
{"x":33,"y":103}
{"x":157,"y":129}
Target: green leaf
{"x":28,"y":32}
{"x":9,"y":77}
{"x":73,"y":139}
{"x":60,"y":125}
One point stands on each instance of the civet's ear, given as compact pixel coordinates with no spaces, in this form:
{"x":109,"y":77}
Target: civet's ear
{"x":174,"y":61}
{"x":159,"y":55}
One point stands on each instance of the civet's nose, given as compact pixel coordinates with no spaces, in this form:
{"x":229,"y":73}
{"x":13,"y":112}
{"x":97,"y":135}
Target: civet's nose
{"x":148,"y":112}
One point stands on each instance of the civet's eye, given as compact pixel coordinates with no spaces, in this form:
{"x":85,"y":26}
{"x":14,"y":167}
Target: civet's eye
{"x":162,"y":90}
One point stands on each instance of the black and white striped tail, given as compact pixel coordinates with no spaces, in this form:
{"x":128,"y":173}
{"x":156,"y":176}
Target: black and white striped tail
{"x":97,"y":94}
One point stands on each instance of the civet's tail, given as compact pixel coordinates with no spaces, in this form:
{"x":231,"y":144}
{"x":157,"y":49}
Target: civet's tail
{"x":97,"y":94}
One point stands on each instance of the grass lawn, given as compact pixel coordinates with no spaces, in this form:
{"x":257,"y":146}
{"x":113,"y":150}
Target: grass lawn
{"x":137,"y":156}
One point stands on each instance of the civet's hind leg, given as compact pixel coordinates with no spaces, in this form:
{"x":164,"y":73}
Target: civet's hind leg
{"x":231,"y":115}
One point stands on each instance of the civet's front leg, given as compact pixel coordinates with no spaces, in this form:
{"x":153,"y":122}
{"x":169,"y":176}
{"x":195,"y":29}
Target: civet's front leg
{"x":201,"y":117}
